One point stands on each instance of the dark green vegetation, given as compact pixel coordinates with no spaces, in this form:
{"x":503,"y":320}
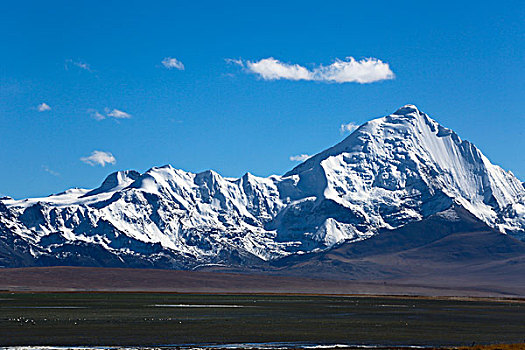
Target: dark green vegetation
{"x":138,"y":319}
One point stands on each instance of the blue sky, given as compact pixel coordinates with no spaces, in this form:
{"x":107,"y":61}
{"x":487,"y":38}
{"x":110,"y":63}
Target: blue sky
{"x":68,"y":70}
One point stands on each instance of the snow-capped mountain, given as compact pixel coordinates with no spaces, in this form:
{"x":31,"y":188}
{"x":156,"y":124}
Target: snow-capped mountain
{"x":391,"y":171}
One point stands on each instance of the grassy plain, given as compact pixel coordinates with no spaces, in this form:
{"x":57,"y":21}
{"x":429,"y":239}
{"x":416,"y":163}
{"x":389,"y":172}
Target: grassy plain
{"x":147,"y":319}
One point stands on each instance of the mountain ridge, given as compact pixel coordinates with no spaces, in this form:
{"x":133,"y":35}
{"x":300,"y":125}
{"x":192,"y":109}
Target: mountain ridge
{"x":390,"y":172}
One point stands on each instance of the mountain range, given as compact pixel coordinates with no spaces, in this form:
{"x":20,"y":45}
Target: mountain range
{"x":401,"y":191}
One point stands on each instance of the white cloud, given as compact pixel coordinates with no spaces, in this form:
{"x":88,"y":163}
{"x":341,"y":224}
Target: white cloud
{"x":272,"y":69}
{"x":78,"y":64}
{"x":96,"y":115}
{"x":350,"y":127}
{"x":115,"y":113}
{"x":43,"y":107}
{"x":109,"y":113}
{"x":47,"y":170}
{"x":100,"y":158}
{"x":299,"y":158}
{"x":171,"y":63}
{"x":367,"y":70}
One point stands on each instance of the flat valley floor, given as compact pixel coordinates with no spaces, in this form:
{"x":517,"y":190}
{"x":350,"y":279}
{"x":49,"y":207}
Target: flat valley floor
{"x":188,"y":320}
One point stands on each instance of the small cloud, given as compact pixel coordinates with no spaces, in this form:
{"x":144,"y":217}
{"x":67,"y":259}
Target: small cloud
{"x":299,"y":158}
{"x":96,"y":115}
{"x":115,"y":113}
{"x":171,"y":63}
{"x":367,"y":70}
{"x":272,"y":69}
{"x":43,"y":107}
{"x":49,"y":171}
{"x":238,"y":62}
{"x":78,"y":64}
{"x":349,"y":70}
{"x":350,"y":127}
{"x":100,"y":158}
{"x":108,"y":113}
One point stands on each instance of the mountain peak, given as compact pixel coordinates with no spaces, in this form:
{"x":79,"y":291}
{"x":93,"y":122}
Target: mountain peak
{"x":406,"y":155}
{"x":115,"y":181}
{"x":407,"y":109}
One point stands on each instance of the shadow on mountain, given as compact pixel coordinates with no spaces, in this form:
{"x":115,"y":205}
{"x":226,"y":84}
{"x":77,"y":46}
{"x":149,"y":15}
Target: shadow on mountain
{"x":449,"y":248}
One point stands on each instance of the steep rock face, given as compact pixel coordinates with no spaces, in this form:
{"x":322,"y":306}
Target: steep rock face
{"x":391,"y":171}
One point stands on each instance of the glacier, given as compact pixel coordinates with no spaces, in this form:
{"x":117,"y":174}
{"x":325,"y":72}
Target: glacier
{"x":391,"y":171}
